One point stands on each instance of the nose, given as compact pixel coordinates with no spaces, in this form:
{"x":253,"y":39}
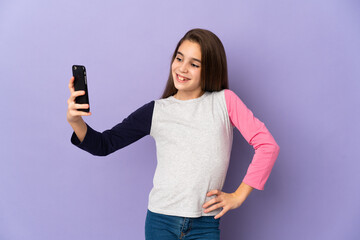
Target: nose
{"x":183,"y":67}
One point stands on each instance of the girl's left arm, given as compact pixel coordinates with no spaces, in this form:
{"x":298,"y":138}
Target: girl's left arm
{"x":266,"y":151}
{"x":258,"y":136}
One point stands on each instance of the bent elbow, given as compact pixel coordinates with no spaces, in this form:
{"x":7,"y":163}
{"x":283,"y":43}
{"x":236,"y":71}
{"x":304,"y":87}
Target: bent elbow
{"x":102,"y":154}
{"x":277,"y":148}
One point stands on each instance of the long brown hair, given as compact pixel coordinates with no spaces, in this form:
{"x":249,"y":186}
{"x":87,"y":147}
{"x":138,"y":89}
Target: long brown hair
{"x":214,"y":75}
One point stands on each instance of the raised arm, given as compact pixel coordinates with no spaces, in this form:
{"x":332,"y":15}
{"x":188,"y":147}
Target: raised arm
{"x":131,"y":129}
{"x":73,"y":115}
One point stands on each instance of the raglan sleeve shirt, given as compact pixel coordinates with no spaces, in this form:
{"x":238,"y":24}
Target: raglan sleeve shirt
{"x":139,"y":124}
{"x":258,"y":136}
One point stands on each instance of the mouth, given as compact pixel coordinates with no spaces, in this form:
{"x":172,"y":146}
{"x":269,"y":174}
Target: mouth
{"x":181,"y":79}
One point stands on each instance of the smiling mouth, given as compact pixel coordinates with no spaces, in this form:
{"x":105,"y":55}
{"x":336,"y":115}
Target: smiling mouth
{"x":181,"y":78}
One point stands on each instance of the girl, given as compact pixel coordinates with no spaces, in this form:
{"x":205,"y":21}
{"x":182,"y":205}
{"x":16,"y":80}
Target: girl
{"x":192,"y":124}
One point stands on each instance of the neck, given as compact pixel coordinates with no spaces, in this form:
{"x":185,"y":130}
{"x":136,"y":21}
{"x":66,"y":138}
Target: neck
{"x":181,"y":95}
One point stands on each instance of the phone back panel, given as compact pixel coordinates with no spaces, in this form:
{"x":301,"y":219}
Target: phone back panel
{"x":80,"y":83}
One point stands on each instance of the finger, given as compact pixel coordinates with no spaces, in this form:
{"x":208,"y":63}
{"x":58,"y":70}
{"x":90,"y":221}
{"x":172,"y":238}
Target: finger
{"x":212,"y":192}
{"x":210,"y":202}
{"x":71,"y":84}
{"x":221,"y":213}
{"x":79,"y":113}
{"x":81,"y":106}
{"x":75,"y":106}
{"x":76,"y":94}
{"x":213,"y":207}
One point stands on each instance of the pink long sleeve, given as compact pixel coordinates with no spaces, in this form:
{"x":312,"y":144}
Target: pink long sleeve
{"x":256,"y":134}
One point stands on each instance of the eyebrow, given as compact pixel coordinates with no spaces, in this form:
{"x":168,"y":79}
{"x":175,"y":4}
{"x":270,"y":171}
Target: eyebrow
{"x":195,"y":59}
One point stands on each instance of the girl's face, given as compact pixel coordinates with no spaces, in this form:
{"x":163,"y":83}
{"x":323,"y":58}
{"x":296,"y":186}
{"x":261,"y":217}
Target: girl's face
{"x":186,"y":68}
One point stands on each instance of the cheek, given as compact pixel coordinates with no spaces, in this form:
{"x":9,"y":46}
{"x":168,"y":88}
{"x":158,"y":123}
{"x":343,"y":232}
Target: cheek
{"x":198,"y":75}
{"x":173,"y":66}
{"x":173,"y":71}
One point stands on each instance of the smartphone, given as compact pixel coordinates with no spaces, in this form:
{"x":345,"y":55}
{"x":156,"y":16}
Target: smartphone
{"x":80,"y":83}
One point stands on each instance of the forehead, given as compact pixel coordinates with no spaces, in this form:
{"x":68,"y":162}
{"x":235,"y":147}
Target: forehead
{"x":190,"y":49}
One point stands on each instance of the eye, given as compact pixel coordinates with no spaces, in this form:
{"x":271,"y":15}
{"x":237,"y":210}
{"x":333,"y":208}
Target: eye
{"x":179,"y":59}
{"x":194,"y":65}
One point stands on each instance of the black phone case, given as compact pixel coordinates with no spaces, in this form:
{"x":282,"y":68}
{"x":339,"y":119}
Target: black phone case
{"x":80,"y":83}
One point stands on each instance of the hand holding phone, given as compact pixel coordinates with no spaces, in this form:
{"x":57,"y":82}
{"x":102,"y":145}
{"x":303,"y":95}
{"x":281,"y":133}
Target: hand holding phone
{"x":75,"y":110}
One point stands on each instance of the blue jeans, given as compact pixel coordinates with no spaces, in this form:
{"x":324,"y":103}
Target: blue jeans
{"x":165,"y":227}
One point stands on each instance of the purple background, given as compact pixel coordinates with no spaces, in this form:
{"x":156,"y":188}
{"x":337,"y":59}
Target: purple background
{"x":295,"y":64}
